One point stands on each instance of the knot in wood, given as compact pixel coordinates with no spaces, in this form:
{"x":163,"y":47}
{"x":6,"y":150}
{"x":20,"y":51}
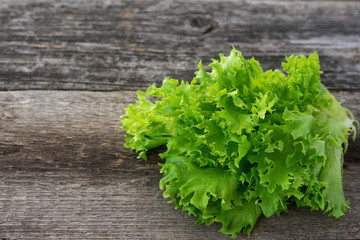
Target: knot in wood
{"x":200,"y":25}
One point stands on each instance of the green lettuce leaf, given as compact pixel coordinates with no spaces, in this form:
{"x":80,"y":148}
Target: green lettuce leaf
{"x":241,"y":142}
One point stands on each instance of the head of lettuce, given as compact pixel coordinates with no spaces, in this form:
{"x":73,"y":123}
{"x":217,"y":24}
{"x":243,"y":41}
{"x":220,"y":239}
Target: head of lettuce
{"x":242,"y":142}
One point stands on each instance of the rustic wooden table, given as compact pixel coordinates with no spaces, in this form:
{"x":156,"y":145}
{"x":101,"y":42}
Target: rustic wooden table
{"x":69,"y":68}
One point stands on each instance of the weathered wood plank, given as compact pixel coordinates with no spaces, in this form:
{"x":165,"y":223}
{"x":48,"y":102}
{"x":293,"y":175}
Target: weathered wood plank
{"x":125,"y":45}
{"x":65,"y":174}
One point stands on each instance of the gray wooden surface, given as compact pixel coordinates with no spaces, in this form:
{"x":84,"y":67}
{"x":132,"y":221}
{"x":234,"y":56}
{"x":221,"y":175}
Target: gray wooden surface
{"x":64,"y":173}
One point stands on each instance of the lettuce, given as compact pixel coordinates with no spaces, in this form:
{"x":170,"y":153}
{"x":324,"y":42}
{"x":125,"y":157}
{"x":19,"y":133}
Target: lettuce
{"x":242,"y":142}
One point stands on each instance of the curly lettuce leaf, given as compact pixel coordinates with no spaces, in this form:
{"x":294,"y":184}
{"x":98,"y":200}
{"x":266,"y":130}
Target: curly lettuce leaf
{"x":242,"y":142}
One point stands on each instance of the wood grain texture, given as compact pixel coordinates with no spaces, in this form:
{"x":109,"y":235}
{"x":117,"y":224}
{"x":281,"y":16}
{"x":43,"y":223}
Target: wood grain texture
{"x":64,"y":174}
{"x":126,"y":45}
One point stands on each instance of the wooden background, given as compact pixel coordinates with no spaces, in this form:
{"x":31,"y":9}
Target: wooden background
{"x":69,"y":68}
